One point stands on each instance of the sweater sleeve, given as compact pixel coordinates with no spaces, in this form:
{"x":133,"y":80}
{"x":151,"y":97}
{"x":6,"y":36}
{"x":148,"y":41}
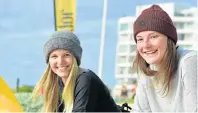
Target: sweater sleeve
{"x":84,"y":95}
{"x":189,"y":74}
{"x":141,"y":103}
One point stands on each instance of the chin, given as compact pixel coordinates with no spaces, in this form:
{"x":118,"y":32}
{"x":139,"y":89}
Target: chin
{"x":62,"y":75}
{"x":152,"y":62}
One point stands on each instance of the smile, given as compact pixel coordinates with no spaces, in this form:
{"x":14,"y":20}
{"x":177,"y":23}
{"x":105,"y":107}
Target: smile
{"x":150,"y":52}
{"x":62,"y":68}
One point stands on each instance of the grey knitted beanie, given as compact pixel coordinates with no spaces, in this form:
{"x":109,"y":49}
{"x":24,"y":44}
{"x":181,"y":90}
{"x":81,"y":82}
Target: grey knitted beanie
{"x":63,"y":40}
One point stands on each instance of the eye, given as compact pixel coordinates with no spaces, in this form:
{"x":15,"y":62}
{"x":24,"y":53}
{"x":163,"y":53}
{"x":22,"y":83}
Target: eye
{"x":67,"y":55}
{"x":139,"y":39}
{"x":53,"y":56}
{"x":155,"y":36}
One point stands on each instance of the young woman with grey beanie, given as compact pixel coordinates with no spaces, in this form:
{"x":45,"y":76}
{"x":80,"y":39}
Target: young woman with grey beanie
{"x":167,"y":73}
{"x":66,"y":86}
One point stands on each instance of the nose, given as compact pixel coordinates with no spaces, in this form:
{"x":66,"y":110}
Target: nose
{"x":60,"y":60}
{"x":147,"y":43}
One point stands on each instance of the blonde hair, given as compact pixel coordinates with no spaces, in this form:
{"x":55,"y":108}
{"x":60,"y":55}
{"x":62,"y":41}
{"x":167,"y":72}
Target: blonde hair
{"x":68,"y":91}
{"x":165,"y":71}
{"x":49,"y":84}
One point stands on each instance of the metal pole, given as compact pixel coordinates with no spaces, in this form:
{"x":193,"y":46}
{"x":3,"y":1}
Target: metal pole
{"x":197,"y":3}
{"x":54,"y":3}
{"x":102,"y":39}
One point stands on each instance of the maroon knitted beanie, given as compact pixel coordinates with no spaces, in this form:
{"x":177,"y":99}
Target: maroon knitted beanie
{"x":155,"y":19}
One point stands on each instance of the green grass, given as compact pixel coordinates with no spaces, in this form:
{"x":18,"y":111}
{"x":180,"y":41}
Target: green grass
{"x":129,"y":101}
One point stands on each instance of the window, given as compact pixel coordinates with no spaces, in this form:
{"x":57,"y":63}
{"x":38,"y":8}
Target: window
{"x":124,"y":27}
{"x":181,"y":36}
{"x":121,"y":70}
{"x":131,"y":81}
{"x":189,"y":24}
{"x":190,"y":15}
{"x":188,"y":47}
{"x":130,"y":71}
{"x":178,"y":14}
{"x":188,"y":35}
{"x":120,"y":81}
{"x":132,"y":48}
{"x":122,"y":48}
{"x":179,"y":25}
{"x":122,"y":59}
{"x":131,"y":58}
{"x":131,"y":37}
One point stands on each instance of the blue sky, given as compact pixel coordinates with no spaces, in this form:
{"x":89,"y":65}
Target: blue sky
{"x":25,"y":26}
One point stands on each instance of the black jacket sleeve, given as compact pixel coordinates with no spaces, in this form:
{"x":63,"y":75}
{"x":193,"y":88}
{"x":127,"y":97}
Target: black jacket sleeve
{"x":85,"y":94}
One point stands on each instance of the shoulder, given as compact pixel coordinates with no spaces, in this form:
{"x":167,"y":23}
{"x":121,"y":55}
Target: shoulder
{"x":185,"y":56}
{"x":187,"y":62}
{"x":86,"y":76}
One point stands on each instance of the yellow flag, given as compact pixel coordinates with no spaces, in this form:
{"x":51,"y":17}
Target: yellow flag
{"x":65,"y":14}
{"x":8,"y":101}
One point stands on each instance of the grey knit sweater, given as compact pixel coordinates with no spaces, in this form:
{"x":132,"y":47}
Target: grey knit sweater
{"x":182,"y":95}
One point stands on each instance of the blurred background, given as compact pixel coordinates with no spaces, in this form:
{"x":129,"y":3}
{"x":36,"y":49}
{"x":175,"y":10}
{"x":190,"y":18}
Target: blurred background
{"x":26,"y":25}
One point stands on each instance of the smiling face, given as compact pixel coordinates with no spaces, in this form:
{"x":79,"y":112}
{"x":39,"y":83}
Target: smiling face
{"x":61,"y":62}
{"x":151,"y":46}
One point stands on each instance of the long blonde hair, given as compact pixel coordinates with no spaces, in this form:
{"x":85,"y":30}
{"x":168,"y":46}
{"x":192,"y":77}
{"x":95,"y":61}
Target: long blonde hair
{"x":165,"y":71}
{"x":49,"y":84}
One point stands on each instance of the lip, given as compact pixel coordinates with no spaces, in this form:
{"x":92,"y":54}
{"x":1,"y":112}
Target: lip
{"x":150,"y":52}
{"x":62,"y":68}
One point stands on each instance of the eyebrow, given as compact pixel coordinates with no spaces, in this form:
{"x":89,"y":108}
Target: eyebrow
{"x":152,"y":33}
{"x":148,"y":34}
{"x":52,"y":55}
{"x":138,"y":36}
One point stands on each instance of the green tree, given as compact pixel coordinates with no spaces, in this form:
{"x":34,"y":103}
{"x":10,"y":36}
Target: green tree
{"x":25,"y":88}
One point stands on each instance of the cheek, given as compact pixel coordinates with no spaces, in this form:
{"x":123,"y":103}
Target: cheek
{"x":53,"y":68}
{"x":139,"y":48}
{"x":52,"y":64}
{"x":162,"y":44}
{"x":162,"y":48}
{"x":163,"y":52}
{"x":69,"y":60}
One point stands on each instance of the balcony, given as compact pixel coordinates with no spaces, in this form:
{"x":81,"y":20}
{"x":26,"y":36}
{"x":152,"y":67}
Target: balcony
{"x":184,"y":19}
